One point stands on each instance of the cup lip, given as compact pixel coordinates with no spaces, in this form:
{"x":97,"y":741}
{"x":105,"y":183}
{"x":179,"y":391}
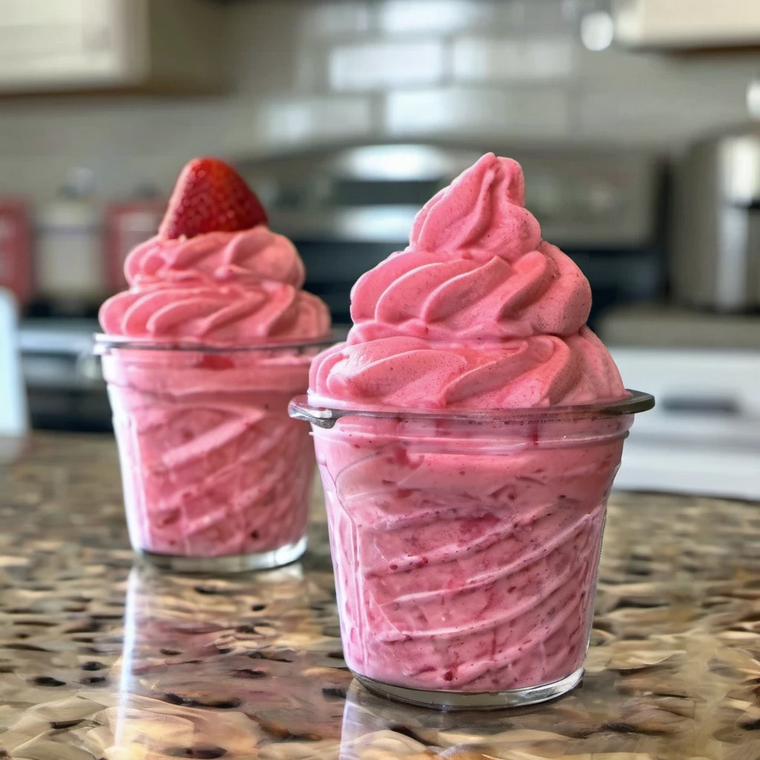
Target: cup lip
{"x":325,"y":417}
{"x":102,"y":343}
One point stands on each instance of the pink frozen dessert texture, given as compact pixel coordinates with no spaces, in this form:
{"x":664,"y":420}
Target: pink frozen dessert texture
{"x":464,"y":563}
{"x":217,"y":289}
{"x":477,"y":312}
{"x":212,"y":464}
{"x":466,"y":554}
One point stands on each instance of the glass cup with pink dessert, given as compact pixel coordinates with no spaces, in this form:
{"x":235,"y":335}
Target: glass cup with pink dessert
{"x":201,"y":356}
{"x":467,"y":434}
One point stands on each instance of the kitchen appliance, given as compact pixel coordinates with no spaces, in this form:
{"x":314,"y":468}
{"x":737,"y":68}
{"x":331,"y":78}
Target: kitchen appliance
{"x":703,"y":437}
{"x":347,"y":208}
{"x":15,"y":249}
{"x":69,"y":268}
{"x":716,"y":223}
{"x":128,"y":224}
{"x":64,"y":386}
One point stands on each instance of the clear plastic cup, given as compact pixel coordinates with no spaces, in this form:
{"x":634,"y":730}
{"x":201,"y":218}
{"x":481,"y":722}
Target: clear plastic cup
{"x":216,"y":476}
{"x":466,"y":545}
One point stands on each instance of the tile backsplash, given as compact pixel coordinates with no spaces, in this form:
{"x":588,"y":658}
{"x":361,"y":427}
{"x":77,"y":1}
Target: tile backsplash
{"x":387,"y":65}
{"x":503,"y":60}
{"x":506,"y":70}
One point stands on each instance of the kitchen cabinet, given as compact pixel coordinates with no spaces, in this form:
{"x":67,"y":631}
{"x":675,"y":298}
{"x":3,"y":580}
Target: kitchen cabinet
{"x":49,"y":46}
{"x":686,"y":24}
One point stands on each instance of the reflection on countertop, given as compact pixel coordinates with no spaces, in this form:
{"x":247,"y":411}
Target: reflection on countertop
{"x":250,"y":665}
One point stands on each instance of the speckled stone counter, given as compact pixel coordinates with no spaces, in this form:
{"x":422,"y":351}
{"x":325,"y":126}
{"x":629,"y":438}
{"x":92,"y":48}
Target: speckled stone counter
{"x":102,"y":660}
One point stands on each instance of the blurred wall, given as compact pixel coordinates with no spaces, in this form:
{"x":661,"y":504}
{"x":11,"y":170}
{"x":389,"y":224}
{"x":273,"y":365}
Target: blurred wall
{"x":311,"y":71}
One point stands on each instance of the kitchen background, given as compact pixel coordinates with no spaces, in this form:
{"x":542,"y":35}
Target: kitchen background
{"x":347,"y":115}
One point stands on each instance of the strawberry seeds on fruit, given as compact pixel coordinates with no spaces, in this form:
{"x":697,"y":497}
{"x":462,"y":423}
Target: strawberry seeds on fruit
{"x":210,"y":196}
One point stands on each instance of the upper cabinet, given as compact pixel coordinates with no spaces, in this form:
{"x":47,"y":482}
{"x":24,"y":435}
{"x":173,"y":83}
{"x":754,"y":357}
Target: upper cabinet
{"x":687,"y":24}
{"x":49,"y":46}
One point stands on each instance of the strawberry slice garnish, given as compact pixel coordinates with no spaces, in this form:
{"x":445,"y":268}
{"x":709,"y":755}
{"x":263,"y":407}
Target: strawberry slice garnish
{"x":210,"y":196}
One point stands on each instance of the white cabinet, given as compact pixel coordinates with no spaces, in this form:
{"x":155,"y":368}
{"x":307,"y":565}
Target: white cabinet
{"x":80,"y":45}
{"x":687,"y":23}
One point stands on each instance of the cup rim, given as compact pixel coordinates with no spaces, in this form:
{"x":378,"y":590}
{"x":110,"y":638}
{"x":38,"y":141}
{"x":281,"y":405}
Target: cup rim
{"x":102,"y":343}
{"x":325,"y":417}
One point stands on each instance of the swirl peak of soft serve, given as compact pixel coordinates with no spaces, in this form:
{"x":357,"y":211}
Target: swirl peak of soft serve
{"x":477,"y":312}
{"x":218,"y":288}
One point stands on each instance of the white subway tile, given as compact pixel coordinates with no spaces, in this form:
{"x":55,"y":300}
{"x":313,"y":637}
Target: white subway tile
{"x":659,"y":99}
{"x":529,"y":112}
{"x":386,"y":64}
{"x":622,"y":67}
{"x":315,"y":119}
{"x":310,"y":70}
{"x":505,"y":59}
{"x":261,"y":46}
{"x":657,"y":115}
{"x":335,"y":19}
{"x":539,"y":15}
{"x":433,"y":16}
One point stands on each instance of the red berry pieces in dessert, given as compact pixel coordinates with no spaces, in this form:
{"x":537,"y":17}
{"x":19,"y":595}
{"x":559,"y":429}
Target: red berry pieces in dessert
{"x":210,"y":196}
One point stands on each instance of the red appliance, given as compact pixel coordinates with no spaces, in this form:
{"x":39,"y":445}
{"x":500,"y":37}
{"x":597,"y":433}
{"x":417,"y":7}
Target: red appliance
{"x":128,"y":224}
{"x":15,"y":249}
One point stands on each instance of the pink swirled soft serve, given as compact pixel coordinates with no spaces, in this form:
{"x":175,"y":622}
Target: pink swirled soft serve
{"x":212,"y":465}
{"x":215,"y":274}
{"x":466,"y":547}
{"x":218,"y":288}
{"x":477,"y":312}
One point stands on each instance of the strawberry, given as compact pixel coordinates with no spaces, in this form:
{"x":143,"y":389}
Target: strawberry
{"x":210,"y":196}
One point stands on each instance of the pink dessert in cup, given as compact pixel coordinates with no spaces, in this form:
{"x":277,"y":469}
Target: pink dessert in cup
{"x":201,"y":355}
{"x":467,"y":434}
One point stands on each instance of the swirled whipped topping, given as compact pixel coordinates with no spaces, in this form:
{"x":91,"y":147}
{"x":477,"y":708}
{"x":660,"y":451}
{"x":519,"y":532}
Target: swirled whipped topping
{"x":477,"y":312}
{"x":215,"y":274}
{"x":218,"y":288}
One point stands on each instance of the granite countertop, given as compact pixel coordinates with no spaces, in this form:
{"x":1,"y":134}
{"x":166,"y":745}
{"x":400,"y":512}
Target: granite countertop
{"x":250,"y":666}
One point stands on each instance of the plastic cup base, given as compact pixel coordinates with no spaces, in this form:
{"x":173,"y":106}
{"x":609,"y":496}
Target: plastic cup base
{"x":235,"y":563}
{"x":475,"y":700}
